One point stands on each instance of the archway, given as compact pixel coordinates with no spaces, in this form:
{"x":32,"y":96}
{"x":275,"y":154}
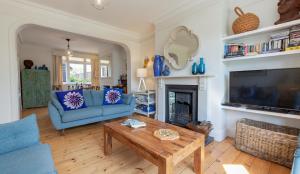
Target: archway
{"x":14,"y":68}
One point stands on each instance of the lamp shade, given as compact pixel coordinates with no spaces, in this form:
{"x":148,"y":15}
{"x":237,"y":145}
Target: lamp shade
{"x":141,"y":72}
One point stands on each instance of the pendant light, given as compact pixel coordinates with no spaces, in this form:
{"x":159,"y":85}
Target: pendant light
{"x":69,"y":52}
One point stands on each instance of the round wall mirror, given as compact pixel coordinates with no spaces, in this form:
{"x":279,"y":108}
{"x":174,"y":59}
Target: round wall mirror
{"x":181,"y":47}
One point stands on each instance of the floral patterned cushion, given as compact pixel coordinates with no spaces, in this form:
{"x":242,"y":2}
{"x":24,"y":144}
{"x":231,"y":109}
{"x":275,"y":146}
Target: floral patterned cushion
{"x":112,"y":96}
{"x":71,"y":100}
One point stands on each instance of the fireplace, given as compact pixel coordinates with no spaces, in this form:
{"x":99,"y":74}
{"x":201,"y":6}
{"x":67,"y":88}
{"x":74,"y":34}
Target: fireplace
{"x":181,"y":104}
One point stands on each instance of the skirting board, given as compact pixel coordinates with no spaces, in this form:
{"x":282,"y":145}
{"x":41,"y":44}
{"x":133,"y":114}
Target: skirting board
{"x":219,"y":134}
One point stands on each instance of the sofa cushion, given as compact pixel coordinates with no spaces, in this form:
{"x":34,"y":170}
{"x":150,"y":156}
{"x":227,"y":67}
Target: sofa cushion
{"x":127,"y":98}
{"x":97,"y":97}
{"x":35,"y":159}
{"x":19,"y":134}
{"x":71,"y":100}
{"x":115,"y":109}
{"x":92,"y":111}
{"x":113,"y":96}
{"x":88,"y":97}
{"x":57,"y":104}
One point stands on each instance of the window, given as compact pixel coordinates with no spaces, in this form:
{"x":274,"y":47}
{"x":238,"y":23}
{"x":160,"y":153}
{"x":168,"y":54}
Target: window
{"x":105,"y":71}
{"x":76,"y":70}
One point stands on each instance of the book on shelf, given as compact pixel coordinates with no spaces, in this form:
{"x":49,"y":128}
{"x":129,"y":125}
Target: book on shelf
{"x":294,"y":36}
{"x":293,"y":48}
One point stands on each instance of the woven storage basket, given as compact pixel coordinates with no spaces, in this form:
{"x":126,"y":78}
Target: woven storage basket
{"x":245,"y":22}
{"x":267,"y":141}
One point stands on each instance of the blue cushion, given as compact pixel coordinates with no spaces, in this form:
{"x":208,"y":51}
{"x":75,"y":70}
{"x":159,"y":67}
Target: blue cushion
{"x":71,"y":100}
{"x":88,"y":97}
{"x":97,"y":97}
{"x":85,"y":113}
{"x":57,"y":104}
{"x":112,"y":96}
{"x":115,"y":109}
{"x":35,"y":159}
{"x":19,"y":134}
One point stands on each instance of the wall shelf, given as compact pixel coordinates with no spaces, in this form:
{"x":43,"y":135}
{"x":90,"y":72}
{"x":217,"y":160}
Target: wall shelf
{"x":262,"y":30}
{"x":276,"y":114}
{"x":262,"y":56}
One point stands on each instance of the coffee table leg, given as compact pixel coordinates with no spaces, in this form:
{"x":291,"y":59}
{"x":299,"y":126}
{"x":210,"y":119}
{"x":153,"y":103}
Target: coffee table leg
{"x":199,"y":160}
{"x":107,"y":142}
{"x":166,"y":167}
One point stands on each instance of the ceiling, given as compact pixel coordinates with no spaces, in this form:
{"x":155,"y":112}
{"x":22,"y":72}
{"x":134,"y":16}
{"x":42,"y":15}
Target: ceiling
{"x":132,"y":15}
{"x":55,"y":39}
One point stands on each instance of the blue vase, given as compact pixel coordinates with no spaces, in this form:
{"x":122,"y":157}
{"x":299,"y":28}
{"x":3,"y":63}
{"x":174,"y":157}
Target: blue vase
{"x":201,"y":67}
{"x":157,"y":65}
{"x":166,"y":71}
{"x":162,"y":64}
{"x":194,"y":68}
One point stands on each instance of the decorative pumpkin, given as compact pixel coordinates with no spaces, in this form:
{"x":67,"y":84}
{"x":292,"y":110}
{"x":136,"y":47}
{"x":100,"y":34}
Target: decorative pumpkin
{"x":245,"y":22}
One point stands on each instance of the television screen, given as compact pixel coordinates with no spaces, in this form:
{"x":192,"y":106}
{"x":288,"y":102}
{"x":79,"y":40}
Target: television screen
{"x":278,"y":88}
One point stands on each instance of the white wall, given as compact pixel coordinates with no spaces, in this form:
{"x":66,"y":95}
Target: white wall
{"x":208,"y":22}
{"x":40,"y":55}
{"x":14,"y":14}
{"x":118,"y":64}
{"x":147,"y":50}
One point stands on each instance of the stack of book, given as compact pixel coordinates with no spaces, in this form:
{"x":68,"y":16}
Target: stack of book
{"x":133,"y":123}
{"x":294,"y":38}
{"x":279,"y":41}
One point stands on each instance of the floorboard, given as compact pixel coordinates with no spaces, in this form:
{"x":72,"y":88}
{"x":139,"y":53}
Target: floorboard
{"x":80,"y":151}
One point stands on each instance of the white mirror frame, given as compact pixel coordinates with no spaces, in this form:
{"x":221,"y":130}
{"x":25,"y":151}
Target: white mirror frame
{"x":172,"y":39}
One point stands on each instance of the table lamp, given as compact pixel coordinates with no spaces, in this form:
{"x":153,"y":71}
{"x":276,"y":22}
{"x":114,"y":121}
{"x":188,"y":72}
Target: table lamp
{"x":142,"y":73}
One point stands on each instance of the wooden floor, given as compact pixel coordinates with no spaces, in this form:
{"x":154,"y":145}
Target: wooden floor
{"x":80,"y":151}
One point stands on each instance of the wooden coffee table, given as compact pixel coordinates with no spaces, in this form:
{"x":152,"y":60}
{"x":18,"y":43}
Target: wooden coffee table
{"x":164,"y":154}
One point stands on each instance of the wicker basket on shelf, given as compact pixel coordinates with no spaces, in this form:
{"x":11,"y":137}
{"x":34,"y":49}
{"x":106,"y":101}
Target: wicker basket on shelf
{"x":267,"y":141}
{"x":245,"y":22}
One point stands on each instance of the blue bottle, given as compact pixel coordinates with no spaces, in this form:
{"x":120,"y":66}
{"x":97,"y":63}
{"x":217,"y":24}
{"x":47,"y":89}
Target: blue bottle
{"x":195,"y":69}
{"x":201,"y":67}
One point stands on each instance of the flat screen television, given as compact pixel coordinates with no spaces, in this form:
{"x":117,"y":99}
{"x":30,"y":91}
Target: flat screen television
{"x":278,"y":88}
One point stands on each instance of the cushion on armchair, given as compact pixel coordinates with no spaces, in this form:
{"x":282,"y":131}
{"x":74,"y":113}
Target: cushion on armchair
{"x":36,"y":159}
{"x":19,"y":134}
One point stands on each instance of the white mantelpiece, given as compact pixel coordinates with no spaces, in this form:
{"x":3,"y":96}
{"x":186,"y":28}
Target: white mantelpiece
{"x":199,"y":80}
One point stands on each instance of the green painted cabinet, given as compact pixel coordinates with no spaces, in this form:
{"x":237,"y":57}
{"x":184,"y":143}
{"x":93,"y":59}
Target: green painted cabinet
{"x":35,"y":88}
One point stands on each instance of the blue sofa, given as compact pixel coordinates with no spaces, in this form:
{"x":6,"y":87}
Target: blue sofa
{"x":21,"y":151}
{"x":296,"y":163}
{"x":94,"y":112}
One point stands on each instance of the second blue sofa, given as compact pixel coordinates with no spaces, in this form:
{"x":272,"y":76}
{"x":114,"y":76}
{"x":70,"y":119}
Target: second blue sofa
{"x":21,"y":151}
{"x":94,"y":112}
{"x":296,"y":163}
